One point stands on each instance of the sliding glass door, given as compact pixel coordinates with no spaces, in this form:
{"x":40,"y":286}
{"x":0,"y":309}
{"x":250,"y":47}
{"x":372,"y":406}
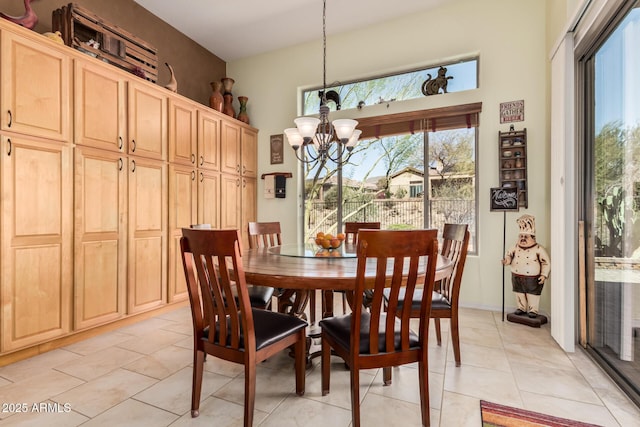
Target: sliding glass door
{"x":612,"y":200}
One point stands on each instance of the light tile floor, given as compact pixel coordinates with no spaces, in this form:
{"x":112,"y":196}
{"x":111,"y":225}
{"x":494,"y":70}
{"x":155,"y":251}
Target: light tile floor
{"x":140,"y":375}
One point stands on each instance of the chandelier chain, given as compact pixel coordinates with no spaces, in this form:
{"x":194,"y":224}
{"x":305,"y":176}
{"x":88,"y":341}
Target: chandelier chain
{"x":324,"y":50}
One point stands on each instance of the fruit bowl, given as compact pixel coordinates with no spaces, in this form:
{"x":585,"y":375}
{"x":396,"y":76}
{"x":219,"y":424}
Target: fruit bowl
{"x":328,"y":241}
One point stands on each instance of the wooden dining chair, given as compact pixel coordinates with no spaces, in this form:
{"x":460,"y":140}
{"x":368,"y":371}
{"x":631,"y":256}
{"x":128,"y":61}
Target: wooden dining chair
{"x":229,"y":328}
{"x":375,"y":339}
{"x":455,"y":243}
{"x":260,"y":296}
{"x":351,"y":230}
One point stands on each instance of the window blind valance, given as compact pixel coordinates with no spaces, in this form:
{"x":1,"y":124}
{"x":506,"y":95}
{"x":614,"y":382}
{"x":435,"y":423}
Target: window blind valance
{"x":435,"y":119}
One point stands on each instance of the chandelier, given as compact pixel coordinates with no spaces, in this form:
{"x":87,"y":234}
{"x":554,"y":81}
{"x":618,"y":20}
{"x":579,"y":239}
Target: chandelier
{"x":318,"y":135}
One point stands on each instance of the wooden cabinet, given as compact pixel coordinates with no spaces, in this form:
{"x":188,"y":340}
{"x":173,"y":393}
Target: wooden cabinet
{"x":100,"y":268}
{"x":147,"y":235}
{"x":512,"y":158}
{"x":35,"y":241}
{"x":230,"y":202}
{"x":208,"y":140}
{"x":249,"y":152}
{"x":100,"y":106}
{"x":36,"y":88}
{"x":183,"y":211}
{"x":230,"y":144}
{"x":147,"y":121}
{"x":249,"y":206}
{"x":183,"y":132}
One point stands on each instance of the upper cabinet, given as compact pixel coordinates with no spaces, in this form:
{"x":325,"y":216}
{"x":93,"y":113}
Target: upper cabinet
{"x":183,"y":131}
{"x":147,"y":121}
{"x":36,"y":88}
{"x":100,"y":98}
{"x":230,"y":147}
{"x":208,"y":140}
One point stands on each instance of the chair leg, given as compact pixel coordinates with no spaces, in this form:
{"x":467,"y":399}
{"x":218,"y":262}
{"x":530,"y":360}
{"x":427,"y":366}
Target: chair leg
{"x":301,"y":362}
{"x":386,"y":375}
{"x":249,"y":393}
{"x":196,"y":385}
{"x":312,"y":306}
{"x":436,"y":322}
{"x":344,"y":303}
{"x":355,"y":396}
{"x":455,"y":338}
{"x":325,"y":366}
{"x":423,"y":372}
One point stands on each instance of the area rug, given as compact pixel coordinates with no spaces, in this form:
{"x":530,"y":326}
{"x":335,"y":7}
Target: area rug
{"x":494,"y":415}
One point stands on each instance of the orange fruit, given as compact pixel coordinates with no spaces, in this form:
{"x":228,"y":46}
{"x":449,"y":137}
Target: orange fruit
{"x":326,"y":243}
{"x":319,"y":241}
{"x":328,"y":236}
{"x":320,"y":235}
{"x":335,"y":243}
{"x":341,"y":236}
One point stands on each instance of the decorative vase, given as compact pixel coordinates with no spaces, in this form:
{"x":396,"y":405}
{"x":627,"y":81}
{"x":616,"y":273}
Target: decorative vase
{"x":216,"y":101}
{"x":228,"y":105}
{"x":227,"y":84}
{"x":242,"y":114}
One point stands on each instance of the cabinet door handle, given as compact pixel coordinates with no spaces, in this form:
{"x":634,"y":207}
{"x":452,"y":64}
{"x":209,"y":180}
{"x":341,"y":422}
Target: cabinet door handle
{"x":244,"y":169}
{"x":193,"y":175}
{"x":193,"y":158}
{"x":133,"y":162}
{"x":201,"y":160}
{"x":238,"y":168}
{"x":9,"y":147}
{"x":121,"y":143}
{"x":10,"y":118}
{"x":201,"y":177}
{"x":120,"y":164}
{"x":133,"y":142}
{"x":238,"y":182}
{"x":244,"y":183}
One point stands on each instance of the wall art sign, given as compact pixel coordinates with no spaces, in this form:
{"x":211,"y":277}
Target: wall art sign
{"x":512,"y":111}
{"x":504,"y":199}
{"x":277,"y":149}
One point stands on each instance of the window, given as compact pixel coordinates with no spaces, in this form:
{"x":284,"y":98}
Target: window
{"x":387,"y":174}
{"x":463,"y":75}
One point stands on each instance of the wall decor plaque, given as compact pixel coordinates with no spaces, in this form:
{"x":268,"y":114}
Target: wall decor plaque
{"x":277,"y":149}
{"x":504,"y":199}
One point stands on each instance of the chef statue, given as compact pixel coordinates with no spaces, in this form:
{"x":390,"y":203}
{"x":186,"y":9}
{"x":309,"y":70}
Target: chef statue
{"x":529,"y":268}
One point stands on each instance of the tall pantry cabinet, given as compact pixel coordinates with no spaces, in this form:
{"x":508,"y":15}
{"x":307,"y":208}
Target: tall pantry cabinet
{"x":36,"y":185}
{"x":99,"y":172}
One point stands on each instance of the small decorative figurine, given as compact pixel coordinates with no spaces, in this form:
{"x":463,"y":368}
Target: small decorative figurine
{"x":173,"y":84}
{"x":433,"y":86}
{"x":28,"y":20}
{"x":530,"y":267}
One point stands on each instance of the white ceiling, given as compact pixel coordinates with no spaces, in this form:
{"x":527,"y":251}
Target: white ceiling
{"x":234,"y":29}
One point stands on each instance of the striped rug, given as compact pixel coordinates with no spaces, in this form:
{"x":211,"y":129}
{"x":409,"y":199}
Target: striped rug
{"x":494,"y":415}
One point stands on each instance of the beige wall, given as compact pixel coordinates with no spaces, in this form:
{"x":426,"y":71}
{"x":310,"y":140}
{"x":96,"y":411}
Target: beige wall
{"x":513,"y":65}
{"x":194,"y":66}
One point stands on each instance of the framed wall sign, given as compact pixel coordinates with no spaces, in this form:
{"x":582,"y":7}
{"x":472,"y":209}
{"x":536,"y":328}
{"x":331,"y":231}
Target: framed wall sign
{"x":277,"y":149}
{"x":504,"y":199}
{"x":512,"y":111}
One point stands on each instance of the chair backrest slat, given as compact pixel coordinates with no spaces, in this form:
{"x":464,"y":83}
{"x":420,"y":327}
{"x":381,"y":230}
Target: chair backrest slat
{"x":413,"y":254}
{"x":209,"y":256}
{"x":454,"y":247}
{"x":351,"y":230}
{"x":264,"y":234}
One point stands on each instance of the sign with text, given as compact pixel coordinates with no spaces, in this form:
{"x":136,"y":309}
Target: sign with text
{"x":512,"y":111}
{"x":504,"y":199}
{"x":277,"y":149}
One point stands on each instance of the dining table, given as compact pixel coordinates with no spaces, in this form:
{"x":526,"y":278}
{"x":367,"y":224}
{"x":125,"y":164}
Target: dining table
{"x":304,"y":268}
{"x":300,"y":269}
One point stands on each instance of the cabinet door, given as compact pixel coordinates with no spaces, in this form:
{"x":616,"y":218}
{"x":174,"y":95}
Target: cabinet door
{"x":249,"y":153}
{"x":36,"y":241}
{"x":36,"y":88}
{"x":229,"y":147}
{"x":147,"y":121}
{"x":208,"y":141}
{"x":183,"y":211}
{"x":230,"y":202}
{"x":183,"y":132}
{"x":147,"y":236}
{"x":100,"y":267}
{"x":209,"y":198}
{"x":249,"y":206}
{"x":99,"y":113}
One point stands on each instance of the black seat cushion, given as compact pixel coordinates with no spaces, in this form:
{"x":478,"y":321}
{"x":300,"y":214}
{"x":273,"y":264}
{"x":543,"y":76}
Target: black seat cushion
{"x":339,"y":327}
{"x":260,"y":295}
{"x":269,"y":326}
{"x":438,"y":302}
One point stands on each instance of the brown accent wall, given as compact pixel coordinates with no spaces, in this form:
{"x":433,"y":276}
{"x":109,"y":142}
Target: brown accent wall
{"x":194,"y":66}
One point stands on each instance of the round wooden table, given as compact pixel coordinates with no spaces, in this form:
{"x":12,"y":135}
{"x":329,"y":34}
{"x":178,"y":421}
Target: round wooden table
{"x":297,"y":267}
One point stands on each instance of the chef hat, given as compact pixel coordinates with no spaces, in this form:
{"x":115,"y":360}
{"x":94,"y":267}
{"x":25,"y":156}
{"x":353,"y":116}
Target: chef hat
{"x":527,"y":224}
